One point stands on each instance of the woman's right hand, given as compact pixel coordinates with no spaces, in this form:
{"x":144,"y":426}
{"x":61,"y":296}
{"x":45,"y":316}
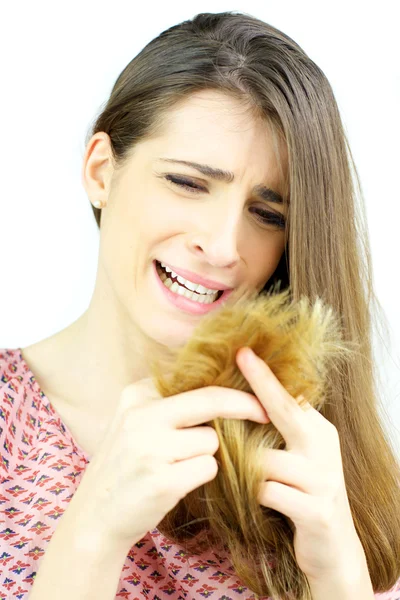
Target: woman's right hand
{"x":152,"y":456}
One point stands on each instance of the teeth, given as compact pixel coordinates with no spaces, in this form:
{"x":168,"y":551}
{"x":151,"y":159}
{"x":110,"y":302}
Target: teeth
{"x":182,"y":291}
{"x":203,"y":299}
{"x":195,"y":287}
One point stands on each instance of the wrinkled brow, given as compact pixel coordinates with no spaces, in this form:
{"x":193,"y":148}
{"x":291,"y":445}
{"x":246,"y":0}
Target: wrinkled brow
{"x":264,"y":192}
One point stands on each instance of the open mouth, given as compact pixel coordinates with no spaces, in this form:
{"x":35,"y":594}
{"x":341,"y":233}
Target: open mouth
{"x":161,"y":270}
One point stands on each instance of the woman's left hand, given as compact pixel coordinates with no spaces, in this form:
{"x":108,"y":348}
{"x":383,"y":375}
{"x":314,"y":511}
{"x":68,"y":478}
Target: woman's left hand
{"x":305,"y":481}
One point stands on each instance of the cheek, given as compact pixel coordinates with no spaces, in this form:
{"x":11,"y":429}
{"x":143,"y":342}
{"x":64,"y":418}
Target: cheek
{"x":122,"y":242}
{"x":267,"y":259}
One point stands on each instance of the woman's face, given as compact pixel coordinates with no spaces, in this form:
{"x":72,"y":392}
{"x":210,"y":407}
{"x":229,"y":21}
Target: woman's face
{"x":221,"y":231}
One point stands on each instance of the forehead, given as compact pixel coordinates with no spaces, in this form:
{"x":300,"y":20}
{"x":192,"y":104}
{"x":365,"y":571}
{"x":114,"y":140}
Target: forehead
{"x":214,"y":111}
{"x":214,"y":128}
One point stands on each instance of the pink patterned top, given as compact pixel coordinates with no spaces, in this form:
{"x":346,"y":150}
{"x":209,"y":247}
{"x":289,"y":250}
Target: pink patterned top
{"x":40,"y":469}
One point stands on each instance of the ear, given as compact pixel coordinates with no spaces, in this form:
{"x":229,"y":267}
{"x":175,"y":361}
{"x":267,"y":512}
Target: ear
{"x":97,"y":168}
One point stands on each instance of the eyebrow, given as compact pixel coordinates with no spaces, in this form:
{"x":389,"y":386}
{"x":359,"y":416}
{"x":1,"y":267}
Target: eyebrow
{"x":266,"y":193}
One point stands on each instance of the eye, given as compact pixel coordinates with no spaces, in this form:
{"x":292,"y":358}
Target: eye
{"x":185,"y":183}
{"x":271,"y":218}
{"x":267,"y":217}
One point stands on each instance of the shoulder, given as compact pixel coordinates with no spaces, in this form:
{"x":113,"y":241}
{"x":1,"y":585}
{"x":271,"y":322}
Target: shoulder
{"x":19,"y":404}
{"x":12,"y":377}
{"x":10,"y":365}
{"x":15,"y":378}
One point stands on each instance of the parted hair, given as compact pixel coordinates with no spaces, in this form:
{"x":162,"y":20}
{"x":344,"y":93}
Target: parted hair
{"x":326,"y":258}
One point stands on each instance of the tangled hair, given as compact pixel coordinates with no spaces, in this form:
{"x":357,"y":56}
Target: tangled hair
{"x":303,"y":347}
{"x":326,"y":259}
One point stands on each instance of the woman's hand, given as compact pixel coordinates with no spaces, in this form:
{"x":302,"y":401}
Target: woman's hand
{"x":305,"y":481}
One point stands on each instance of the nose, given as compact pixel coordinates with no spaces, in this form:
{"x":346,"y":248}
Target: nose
{"x":217,"y":243}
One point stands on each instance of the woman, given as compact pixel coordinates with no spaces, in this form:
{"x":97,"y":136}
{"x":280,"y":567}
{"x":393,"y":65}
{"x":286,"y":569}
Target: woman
{"x":221,"y":156}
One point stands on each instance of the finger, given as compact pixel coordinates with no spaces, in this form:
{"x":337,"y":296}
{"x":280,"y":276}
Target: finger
{"x":284,"y":412}
{"x":297,"y":505}
{"x":187,"y":443}
{"x":201,"y":405}
{"x":291,"y":469}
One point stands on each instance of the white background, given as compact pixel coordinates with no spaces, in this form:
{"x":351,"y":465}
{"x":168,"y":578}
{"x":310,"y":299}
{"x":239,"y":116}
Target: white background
{"x":58,"y":65}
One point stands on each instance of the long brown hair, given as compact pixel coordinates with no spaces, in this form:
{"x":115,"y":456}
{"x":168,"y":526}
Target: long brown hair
{"x":327,"y":251}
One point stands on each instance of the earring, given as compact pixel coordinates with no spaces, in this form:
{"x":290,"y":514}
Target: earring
{"x":98,"y":204}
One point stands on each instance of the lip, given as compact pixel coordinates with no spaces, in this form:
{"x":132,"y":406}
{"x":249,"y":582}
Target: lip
{"x":208,"y":283}
{"x":185,"y":304}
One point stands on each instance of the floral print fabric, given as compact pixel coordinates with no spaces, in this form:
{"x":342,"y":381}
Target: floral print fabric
{"x":40,"y":469}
